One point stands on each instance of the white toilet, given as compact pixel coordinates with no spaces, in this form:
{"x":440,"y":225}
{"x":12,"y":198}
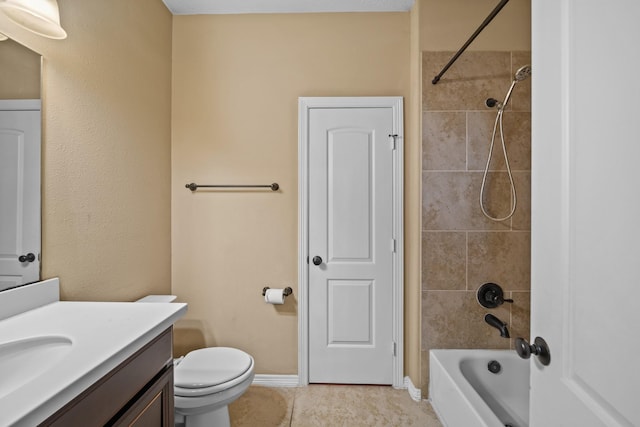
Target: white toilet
{"x":206,"y":381}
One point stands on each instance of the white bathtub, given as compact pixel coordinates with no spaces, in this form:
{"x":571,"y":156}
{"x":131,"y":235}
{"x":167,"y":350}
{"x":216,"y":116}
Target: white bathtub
{"x":464,"y":393}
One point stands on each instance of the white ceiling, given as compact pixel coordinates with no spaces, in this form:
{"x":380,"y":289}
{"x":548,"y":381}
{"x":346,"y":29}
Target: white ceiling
{"x":204,"y":7}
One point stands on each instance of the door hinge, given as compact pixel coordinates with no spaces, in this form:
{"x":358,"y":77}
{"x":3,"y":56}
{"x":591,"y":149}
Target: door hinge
{"x":393,"y":137}
{"x":394,"y":245}
{"x":394,"y":349}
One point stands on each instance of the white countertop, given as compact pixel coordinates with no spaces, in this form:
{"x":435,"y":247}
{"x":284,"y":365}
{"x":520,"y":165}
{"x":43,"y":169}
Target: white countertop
{"x":104,"y":334}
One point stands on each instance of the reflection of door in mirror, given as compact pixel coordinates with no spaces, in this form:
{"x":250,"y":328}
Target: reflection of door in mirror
{"x":20,"y":139}
{"x":19,"y":192}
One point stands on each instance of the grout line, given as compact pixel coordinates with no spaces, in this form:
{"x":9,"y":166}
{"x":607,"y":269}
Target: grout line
{"x":466,"y":260}
{"x":293,"y":405}
{"x":466,"y":141}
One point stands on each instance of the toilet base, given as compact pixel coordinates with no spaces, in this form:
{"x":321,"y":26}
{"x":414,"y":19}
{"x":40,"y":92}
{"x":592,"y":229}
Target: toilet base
{"x":217,"y":418}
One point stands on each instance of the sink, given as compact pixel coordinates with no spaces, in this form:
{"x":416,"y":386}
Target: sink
{"x":22,"y":361}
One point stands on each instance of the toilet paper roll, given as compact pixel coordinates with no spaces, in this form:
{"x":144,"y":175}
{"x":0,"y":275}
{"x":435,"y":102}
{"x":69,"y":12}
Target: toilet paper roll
{"x":274,"y":296}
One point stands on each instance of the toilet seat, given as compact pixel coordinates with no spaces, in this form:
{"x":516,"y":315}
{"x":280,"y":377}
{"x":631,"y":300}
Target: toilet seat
{"x":210,"y":370}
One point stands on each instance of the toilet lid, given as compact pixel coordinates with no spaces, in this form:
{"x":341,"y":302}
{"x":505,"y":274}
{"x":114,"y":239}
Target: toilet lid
{"x":207,"y":367}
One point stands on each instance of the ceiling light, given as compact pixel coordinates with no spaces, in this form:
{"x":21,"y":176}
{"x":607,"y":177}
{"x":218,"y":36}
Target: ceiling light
{"x":41,"y":17}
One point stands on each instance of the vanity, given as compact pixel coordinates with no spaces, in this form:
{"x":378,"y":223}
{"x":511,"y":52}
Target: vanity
{"x":68,"y":363}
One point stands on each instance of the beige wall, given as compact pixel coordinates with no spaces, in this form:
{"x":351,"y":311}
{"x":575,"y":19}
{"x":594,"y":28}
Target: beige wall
{"x":106,"y":152}
{"x":20,"y":71}
{"x":446,"y":25}
{"x":236,"y":83}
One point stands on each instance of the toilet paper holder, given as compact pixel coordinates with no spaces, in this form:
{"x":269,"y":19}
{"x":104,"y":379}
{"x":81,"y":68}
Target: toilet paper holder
{"x":287,"y":291}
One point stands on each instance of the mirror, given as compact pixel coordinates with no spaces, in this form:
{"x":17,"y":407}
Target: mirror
{"x":20,"y":145}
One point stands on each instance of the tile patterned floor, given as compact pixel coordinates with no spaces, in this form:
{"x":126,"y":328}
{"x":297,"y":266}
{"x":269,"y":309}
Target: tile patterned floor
{"x":331,"y":406}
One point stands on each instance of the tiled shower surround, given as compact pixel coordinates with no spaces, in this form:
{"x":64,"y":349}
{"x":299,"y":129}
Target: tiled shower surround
{"x":461,"y":249}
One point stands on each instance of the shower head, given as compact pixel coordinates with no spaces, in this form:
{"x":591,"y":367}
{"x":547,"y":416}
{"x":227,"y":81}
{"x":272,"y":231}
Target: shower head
{"x":522,"y":73}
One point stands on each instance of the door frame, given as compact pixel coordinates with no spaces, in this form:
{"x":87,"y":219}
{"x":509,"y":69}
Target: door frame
{"x":305,"y":104}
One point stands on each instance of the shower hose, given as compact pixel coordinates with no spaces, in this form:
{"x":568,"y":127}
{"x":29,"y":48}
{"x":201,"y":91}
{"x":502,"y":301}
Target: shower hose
{"x":496,"y":125}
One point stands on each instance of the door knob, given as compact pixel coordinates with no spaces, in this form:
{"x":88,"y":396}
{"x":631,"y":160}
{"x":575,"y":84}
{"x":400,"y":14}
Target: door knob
{"x":317,"y":260}
{"x":539,"y":348}
{"x":27,"y":258}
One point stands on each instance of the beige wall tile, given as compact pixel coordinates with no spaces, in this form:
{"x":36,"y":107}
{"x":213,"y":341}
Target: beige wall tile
{"x":521,"y":315}
{"x":455,"y":319}
{"x":522,"y":217}
{"x":501,"y":258}
{"x":450,"y":201}
{"x":494,"y":251}
{"x":521,"y":96}
{"x":517,"y":137}
{"x":473,"y":78}
{"x":425,"y":373}
{"x":496,"y":197}
{"x":480,"y":128}
{"x":444,"y":260}
{"x":444,"y":141}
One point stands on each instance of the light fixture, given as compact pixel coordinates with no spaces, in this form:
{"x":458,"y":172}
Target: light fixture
{"x":41,"y":17}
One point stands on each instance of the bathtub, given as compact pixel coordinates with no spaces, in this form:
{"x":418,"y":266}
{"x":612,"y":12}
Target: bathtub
{"x":464,"y":393}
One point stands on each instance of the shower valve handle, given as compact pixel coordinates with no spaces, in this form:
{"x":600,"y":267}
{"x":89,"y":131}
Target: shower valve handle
{"x":491,"y":295}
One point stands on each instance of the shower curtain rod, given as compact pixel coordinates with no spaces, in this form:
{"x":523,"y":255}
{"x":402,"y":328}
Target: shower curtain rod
{"x":492,"y":15}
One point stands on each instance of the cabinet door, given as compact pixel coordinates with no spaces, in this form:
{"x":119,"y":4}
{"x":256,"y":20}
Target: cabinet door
{"x":126,"y":390}
{"x":154,"y":408}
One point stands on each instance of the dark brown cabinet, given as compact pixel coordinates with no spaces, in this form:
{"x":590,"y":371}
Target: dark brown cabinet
{"x":138,"y":392}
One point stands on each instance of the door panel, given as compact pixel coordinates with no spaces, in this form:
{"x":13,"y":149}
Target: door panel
{"x":585,"y":211}
{"x":20,"y":196}
{"x":351,"y":229}
{"x":349,"y":199}
{"x":350,"y":312}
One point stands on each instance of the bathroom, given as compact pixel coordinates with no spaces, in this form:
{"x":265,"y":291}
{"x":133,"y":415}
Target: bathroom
{"x":166,"y":100}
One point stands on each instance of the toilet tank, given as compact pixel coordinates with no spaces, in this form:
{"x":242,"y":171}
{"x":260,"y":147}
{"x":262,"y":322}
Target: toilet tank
{"x":158,"y":298}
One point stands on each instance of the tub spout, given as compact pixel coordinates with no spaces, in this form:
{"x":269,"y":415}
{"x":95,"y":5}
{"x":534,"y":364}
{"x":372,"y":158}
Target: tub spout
{"x":498,"y":324}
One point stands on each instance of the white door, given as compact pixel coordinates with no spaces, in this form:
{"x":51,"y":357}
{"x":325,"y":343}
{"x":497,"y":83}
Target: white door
{"x":19,"y":192}
{"x":586,"y":212}
{"x":351,"y":244}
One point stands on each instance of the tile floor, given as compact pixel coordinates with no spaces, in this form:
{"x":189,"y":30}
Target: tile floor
{"x":330,"y":405}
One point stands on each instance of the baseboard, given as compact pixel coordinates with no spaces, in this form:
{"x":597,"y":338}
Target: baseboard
{"x":275,"y":380}
{"x":266,"y":380}
{"x":414,"y":392}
